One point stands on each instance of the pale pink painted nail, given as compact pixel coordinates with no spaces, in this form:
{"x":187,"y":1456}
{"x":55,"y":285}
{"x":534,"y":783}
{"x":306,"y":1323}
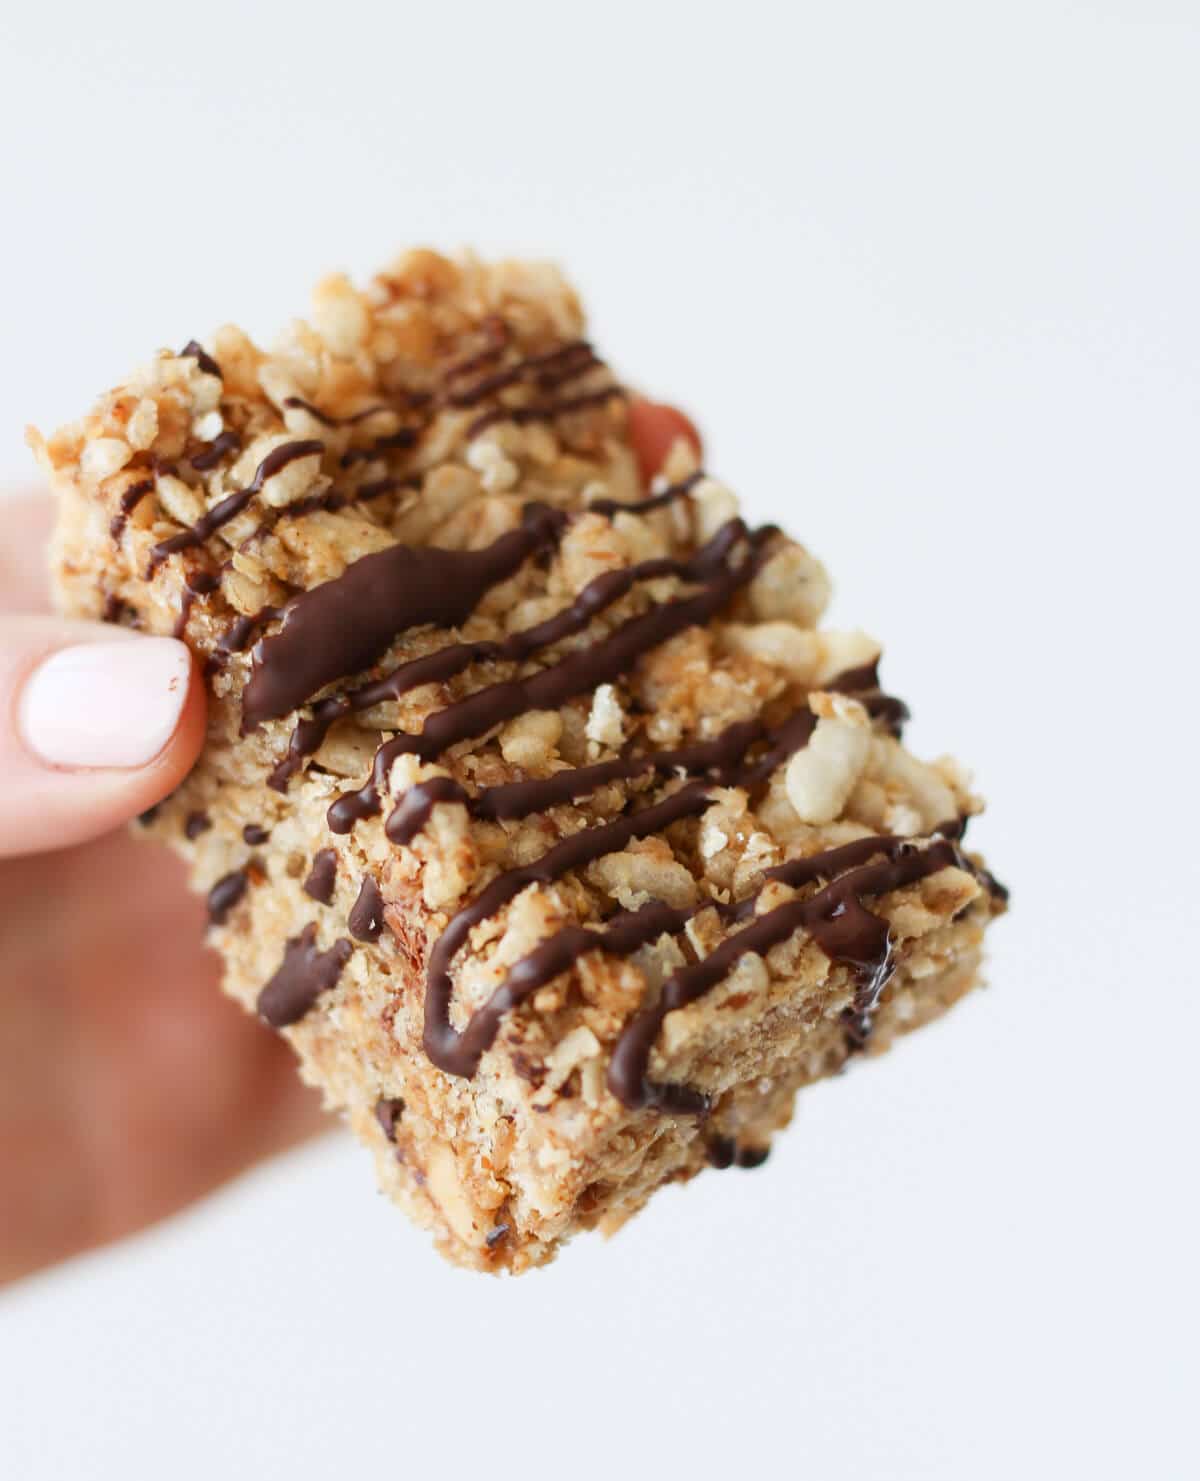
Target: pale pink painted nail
{"x":105,"y":705}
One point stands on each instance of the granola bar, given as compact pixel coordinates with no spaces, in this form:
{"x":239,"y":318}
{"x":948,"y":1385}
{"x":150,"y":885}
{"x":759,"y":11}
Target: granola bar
{"x":537,"y":810}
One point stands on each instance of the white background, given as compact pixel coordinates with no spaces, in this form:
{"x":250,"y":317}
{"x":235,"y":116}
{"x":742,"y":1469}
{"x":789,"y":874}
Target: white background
{"x":928,"y":275}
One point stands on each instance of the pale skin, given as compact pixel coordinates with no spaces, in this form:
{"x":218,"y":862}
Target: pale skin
{"x":129,"y":1086}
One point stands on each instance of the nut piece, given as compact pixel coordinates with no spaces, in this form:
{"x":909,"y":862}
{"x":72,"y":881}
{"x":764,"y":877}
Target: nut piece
{"x":606,"y":723}
{"x":143,"y":425}
{"x":529,"y":740}
{"x":715,"y":506}
{"x":822,"y":776}
{"x":792,"y":585}
{"x":339,"y":314}
{"x":804,"y":653}
{"x":103,"y":457}
{"x":497,"y":473}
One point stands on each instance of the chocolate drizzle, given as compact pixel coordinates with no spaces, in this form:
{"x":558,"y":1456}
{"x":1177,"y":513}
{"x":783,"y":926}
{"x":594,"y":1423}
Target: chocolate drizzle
{"x":303,"y":975}
{"x":326,"y":420}
{"x":518,"y":799}
{"x":416,"y":806}
{"x":115,"y":610}
{"x":329,"y":501}
{"x":365,"y":921}
{"x":322,"y":877}
{"x":202,"y":358}
{"x":388,"y":1110}
{"x":724,"y":1151}
{"x":725,"y":757}
{"x":237,"y":637}
{"x":496,"y":336}
{"x":225,"y":894}
{"x":212,"y":452}
{"x":232,"y":504}
{"x":668,"y":495}
{"x":381,"y":486}
{"x":344,"y":625}
{"x":195,"y":824}
{"x":546,"y":371}
{"x":459,"y":1053}
{"x":130,"y":499}
{"x":404,"y":438}
{"x":196,"y":584}
{"x":605,"y":660}
{"x":544,"y":411}
{"x":445,"y":663}
{"x":835,"y":917}
{"x":863,"y":684}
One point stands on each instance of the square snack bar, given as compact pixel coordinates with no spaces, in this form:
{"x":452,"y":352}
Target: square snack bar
{"x":536,"y":809}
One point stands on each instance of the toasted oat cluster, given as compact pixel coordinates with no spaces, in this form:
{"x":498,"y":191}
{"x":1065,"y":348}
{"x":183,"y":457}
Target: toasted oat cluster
{"x":537,"y":810}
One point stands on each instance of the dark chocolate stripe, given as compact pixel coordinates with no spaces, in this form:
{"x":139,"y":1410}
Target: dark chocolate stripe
{"x":554,"y":368}
{"x":726,"y":756}
{"x":520,"y":799}
{"x":849,"y":934}
{"x":365,"y":921}
{"x":202,"y":358}
{"x":458,"y":1053}
{"x":381,"y":486}
{"x":114,"y":609}
{"x":237,"y":637}
{"x":303,"y":975}
{"x":388,"y":1110}
{"x":404,"y":438}
{"x":497,"y":334}
{"x":322,"y":877}
{"x":446,"y":663}
{"x":130,"y":499}
{"x":344,"y":625}
{"x":604,"y":661}
{"x":233,"y":504}
{"x":212,"y":452}
{"x":196,"y":584}
{"x":723,"y":1152}
{"x":669,"y":495}
{"x":225,"y":894}
{"x":327,"y":421}
{"x":863,"y":684}
{"x":513,"y":800}
{"x":835,"y":917}
{"x":329,"y":502}
{"x":544,"y":411}
{"x":416,"y":806}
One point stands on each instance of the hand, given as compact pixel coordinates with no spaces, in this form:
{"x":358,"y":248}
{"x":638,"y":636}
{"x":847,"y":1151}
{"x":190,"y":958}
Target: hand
{"x":129,"y":1085}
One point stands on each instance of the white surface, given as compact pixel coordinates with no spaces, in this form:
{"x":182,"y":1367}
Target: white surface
{"x":928,"y":275}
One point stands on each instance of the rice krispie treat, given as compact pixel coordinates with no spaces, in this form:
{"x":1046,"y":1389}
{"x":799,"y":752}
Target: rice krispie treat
{"x":537,"y":810}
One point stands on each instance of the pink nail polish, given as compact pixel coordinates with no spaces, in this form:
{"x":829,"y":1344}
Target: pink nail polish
{"x":105,"y":705}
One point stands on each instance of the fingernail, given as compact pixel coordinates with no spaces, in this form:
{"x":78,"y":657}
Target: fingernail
{"x":106,"y":704}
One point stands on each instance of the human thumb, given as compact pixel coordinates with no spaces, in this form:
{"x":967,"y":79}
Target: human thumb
{"x":97,"y":724}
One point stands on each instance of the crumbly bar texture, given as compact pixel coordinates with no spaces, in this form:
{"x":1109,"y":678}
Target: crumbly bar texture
{"x":536,"y":810}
